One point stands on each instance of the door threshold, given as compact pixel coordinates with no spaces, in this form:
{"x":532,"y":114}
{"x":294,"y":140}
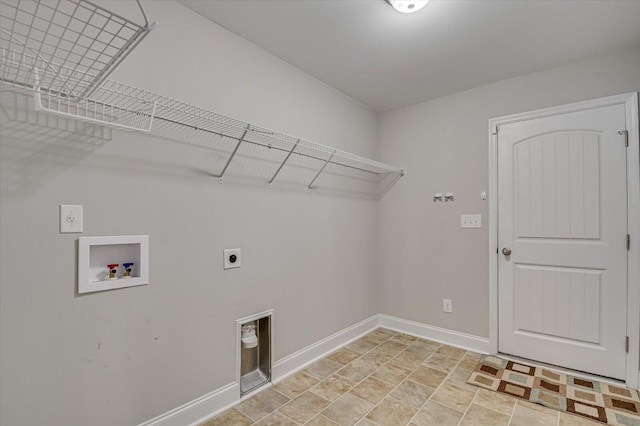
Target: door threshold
{"x":563,"y":370}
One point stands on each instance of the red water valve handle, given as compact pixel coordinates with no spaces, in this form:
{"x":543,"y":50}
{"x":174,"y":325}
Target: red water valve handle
{"x":113,"y":265}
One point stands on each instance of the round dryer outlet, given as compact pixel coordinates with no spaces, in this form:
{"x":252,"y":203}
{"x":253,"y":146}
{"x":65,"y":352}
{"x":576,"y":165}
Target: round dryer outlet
{"x":232,"y":258}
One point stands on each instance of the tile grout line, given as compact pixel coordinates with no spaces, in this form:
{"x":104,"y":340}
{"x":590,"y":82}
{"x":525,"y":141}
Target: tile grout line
{"x":515,"y":400}
{"x":278,"y":409}
{"x":467,"y":409}
{"x":413,"y":370}
{"x":336,"y":372}
{"x":421,"y":365}
{"x":444,"y":380}
{"x":356,"y":383}
{"x":439,"y":385}
{"x":364,"y":416}
{"x":513,"y":411}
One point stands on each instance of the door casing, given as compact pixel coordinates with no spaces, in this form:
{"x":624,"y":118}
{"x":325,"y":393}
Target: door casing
{"x":630,"y":101}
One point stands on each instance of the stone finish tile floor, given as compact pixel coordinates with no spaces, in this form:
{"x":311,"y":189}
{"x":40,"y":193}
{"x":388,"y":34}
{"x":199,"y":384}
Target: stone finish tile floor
{"x":389,"y":379}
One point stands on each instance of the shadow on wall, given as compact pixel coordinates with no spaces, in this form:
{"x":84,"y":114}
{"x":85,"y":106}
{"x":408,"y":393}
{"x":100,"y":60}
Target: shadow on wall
{"x":35,"y":147}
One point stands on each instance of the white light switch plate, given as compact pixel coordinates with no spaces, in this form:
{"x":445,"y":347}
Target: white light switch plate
{"x":70,"y":219}
{"x":471,"y":221}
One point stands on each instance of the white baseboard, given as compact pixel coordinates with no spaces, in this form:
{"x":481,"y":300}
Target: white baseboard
{"x":194,"y":411}
{"x":211,"y":404}
{"x":305,"y":356}
{"x":441,"y":335}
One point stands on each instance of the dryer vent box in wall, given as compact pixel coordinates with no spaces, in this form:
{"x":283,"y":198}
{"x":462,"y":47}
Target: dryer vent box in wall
{"x":108,"y":263}
{"x":254,"y":351}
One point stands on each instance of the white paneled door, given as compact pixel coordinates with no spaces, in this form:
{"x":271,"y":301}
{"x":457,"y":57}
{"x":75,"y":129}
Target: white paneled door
{"x":562,"y":229}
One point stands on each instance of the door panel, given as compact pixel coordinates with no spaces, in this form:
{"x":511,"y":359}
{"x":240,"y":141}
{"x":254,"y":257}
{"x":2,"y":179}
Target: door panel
{"x":547,"y":167}
{"x":562,"y":212}
{"x":562,"y":302}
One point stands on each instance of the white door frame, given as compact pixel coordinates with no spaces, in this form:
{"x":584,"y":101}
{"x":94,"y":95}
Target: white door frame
{"x":630,"y":101}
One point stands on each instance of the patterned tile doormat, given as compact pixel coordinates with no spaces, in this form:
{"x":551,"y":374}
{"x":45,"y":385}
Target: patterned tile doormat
{"x":597,"y":401}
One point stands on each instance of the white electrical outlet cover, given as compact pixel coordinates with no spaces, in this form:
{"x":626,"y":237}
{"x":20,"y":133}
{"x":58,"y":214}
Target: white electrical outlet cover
{"x":70,"y":218}
{"x":232,"y":258}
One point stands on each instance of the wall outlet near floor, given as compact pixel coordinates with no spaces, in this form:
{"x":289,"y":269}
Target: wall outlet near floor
{"x":470,"y":221}
{"x":447,"y":306}
{"x":232,"y":258}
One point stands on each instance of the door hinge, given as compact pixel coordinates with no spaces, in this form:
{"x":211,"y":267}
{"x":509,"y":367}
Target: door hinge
{"x":628,"y":242}
{"x":626,"y":137}
{"x":497,"y":129}
{"x":626,"y":344}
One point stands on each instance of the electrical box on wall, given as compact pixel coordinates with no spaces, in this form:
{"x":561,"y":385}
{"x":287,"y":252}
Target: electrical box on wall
{"x":108,"y":263}
{"x":70,"y":218}
{"x":232,"y":258}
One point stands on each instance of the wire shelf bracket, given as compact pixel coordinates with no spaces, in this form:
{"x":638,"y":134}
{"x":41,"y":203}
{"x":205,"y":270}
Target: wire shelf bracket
{"x":235,"y":150}
{"x":293,"y":148}
{"x":320,"y":171}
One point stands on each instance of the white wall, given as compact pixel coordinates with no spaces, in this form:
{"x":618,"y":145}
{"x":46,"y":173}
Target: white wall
{"x":424,"y":256}
{"x":124,"y":356}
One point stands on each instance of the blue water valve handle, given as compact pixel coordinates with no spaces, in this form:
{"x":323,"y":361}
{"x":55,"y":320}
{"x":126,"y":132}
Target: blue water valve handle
{"x":127,"y":269}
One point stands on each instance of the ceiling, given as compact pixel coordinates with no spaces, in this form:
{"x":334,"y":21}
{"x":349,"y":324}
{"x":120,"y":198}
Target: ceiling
{"x":386,"y":59}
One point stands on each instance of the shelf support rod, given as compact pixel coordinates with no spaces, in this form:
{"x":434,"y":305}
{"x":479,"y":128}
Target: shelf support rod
{"x":321,"y":170}
{"x":283,"y":162}
{"x":221,"y":175}
{"x":386,"y":188}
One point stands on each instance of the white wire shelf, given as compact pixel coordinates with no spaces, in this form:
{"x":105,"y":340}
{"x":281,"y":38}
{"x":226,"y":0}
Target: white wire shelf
{"x":67,"y":47}
{"x":127,"y":114}
{"x":178,"y":112}
{"x":123,"y":106}
{"x":63,"y":50}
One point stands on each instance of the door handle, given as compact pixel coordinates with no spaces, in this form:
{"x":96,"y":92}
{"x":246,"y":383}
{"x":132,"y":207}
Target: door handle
{"x":506,"y":251}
